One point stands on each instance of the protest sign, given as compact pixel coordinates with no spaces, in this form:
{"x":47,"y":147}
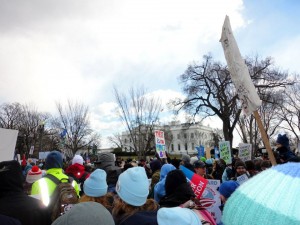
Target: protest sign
{"x":245,"y":151}
{"x":211,"y":199}
{"x":216,"y":152}
{"x":43,"y":155}
{"x":197,"y":182}
{"x":225,"y":151}
{"x":8,"y":139}
{"x":160,"y":143}
{"x":241,"y":179}
{"x":207,"y":153}
{"x":200,"y":151}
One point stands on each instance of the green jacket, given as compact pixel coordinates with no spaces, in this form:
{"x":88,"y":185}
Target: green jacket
{"x":39,"y":188}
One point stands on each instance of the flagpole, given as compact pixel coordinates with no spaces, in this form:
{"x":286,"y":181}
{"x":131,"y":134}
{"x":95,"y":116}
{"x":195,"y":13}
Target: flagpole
{"x":264,"y":137}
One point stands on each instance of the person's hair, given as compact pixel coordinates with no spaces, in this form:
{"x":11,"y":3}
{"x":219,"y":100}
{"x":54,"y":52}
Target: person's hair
{"x":250,"y":165}
{"x":266,"y":164}
{"x":121,"y":209}
{"x":106,"y":200}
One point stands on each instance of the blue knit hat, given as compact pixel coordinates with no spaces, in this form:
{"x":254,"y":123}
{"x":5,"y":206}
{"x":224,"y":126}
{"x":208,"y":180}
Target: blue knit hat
{"x":228,"y":187}
{"x":269,"y":198}
{"x":95,"y":185}
{"x":177,"y":215}
{"x":133,"y":186}
{"x":283,"y":140}
{"x":54,"y":160}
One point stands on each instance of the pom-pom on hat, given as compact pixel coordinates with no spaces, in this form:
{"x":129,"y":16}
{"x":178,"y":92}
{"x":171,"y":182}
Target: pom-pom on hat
{"x":283,"y":140}
{"x":133,"y":186}
{"x":54,"y":160}
{"x":269,"y":198}
{"x":95,"y":185}
{"x":91,"y":213}
{"x":228,"y":187}
{"x":33,"y":174}
{"x":177,"y":215}
{"x":77,"y":159}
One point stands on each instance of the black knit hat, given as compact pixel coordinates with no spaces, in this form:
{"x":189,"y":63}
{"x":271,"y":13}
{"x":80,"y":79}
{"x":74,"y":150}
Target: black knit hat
{"x":174,"y":179}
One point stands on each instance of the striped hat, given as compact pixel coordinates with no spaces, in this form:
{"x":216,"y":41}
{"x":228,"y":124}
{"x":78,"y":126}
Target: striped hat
{"x":271,"y":197}
{"x":33,"y":174}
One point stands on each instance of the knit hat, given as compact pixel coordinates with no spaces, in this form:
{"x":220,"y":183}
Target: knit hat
{"x":193,"y":159}
{"x":105,"y":159}
{"x":77,"y":159}
{"x":33,"y":174}
{"x":203,"y":159}
{"x":199,"y":164}
{"x":239,"y":163}
{"x":54,"y":160}
{"x":91,"y":213}
{"x":185,"y":158}
{"x":95,"y":185}
{"x":271,"y":197}
{"x":177,"y":215}
{"x":283,"y":140}
{"x":133,"y":186}
{"x":11,"y":177}
{"x":174,"y":179}
{"x":228,"y":187}
{"x":155,"y":165}
{"x":209,"y":161}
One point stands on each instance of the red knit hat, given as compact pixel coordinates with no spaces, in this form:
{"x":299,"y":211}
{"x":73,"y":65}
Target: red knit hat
{"x":34,"y":174}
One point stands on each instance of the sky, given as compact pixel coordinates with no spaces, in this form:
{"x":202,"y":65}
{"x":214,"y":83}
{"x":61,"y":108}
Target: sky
{"x":58,"y":50}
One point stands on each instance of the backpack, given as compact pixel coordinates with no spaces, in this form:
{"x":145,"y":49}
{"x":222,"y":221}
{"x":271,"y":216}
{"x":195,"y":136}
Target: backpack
{"x":63,"y":197}
{"x":80,"y":181}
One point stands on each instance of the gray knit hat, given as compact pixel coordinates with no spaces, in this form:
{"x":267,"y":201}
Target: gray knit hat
{"x":185,"y":158}
{"x":91,"y":213}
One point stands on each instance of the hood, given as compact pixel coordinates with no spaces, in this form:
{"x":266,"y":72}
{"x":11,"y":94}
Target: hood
{"x":165,"y":169}
{"x":11,"y":177}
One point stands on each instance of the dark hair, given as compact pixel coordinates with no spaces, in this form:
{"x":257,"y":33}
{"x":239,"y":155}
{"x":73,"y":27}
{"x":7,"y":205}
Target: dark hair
{"x":173,"y":180}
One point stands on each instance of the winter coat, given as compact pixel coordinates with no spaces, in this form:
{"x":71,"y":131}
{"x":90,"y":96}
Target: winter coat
{"x":14,"y":202}
{"x":139,"y":218}
{"x":57,"y":172}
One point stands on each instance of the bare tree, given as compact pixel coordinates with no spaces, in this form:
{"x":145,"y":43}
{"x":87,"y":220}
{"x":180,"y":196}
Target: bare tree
{"x":139,"y":113}
{"x":74,"y":118}
{"x":116,"y":140}
{"x":10,"y":115}
{"x":210,"y":91}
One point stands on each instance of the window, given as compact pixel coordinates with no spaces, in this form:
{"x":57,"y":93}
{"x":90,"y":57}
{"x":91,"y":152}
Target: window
{"x":171,"y":136}
{"x":185,"y":136}
{"x":193,"y":146}
{"x":178,"y":136}
{"x":192,"y":135}
{"x":178,"y":147}
{"x":172,"y":147}
{"x":125,"y":141}
{"x":185,"y":146}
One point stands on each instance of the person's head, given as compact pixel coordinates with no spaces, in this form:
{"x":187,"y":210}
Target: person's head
{"x":155,"y":165}
{"x":174,"y":179}
{"x":165,"y":169}
{"x":33,"y":174}
{"x":265,"y":164}
{"x":54,"y":160}
{"x":177,"y":215}
{"x":185,"y":159}
{"x":91,"y":213}
{"x":77,"y":159}
{"x":95,"y":185}
{"x":240,"y":168}
{"x":226,"y":189}
{"x":200,"y":168}
{"x":133,"y":186}
{"x":282,"y":140}
{"x":271,"y":197}
{"x":11,"y":177}
{"x":105,"y":160}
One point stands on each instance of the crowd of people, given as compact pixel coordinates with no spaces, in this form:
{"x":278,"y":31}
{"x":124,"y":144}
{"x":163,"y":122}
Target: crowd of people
{"x":148,"y":193}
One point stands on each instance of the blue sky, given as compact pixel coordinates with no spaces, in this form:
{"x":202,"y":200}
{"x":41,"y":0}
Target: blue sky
{"x":54,"y":50}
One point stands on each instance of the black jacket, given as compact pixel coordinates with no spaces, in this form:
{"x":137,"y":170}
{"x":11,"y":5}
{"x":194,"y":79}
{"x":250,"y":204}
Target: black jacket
{"x":14,"y":202}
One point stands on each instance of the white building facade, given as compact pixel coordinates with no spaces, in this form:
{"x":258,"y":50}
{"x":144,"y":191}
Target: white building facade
{"x":180,"y":138}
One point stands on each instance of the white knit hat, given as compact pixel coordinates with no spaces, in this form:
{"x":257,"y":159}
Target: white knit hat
{"x":77,"y":159}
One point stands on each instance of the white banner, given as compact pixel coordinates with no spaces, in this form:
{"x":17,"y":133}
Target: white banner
{"x":242,"y":179}
{"x":225,"y":151}
{"x":8,"y":139}
{"x":245,"y":151}
{"x":239,"y":71}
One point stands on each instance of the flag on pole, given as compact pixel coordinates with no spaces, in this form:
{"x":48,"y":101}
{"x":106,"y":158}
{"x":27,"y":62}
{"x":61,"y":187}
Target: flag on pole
{"x":239,"y":71}
{"x":197,"y":182}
